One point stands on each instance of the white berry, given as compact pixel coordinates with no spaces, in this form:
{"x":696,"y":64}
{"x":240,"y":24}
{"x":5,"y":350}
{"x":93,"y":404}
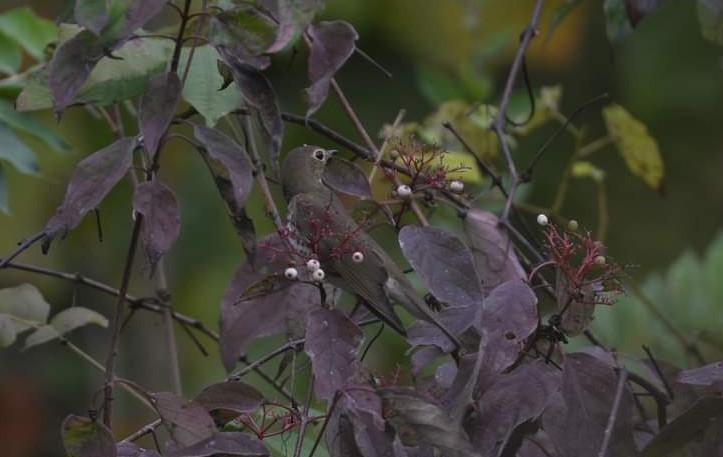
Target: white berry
{"x":456,"y":186}
{"x":572,"y":225}
{"x":404,"y":191}
{"x":542,"y":220}
{"x":291,"y":273}
{"x":600,"y":260}
{"x":313,"y":264}
{"x":357,"y":257}
{"x":318,"y":275}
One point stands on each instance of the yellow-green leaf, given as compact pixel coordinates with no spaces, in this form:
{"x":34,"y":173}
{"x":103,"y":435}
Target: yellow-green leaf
{"x":461,"y":166}
{"x":584,"y":169}
{"x":638,"y":148}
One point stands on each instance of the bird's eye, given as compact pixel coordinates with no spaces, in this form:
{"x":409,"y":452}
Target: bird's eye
{"x":320,"y":155}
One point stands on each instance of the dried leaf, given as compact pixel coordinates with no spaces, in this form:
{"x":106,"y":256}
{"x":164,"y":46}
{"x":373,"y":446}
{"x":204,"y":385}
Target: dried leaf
{"x":65,"y":322}
{"x":187,"y":421}
{"x":332,"y":43}
{"x":293,"y":17}
{"x":259,"y":93}
{"x":636,"y":145}
{"x":71,"y":66}
{"x":494,"y":257}
{"x":332,"y":342}
{"x":161,"y":222}
{"x":85,"y":437}
{"x":92,"y":179}
{"x":421,"y":415}
{"x":583,"y":405}
{"x":224,"y":444}
{"x":345,"y":176}
{"x":228,"y":160}
{"x":700,"y":425}
{"x":234,"y":396}
{"x":443,"y":262}
{"x":709,"y":377}
{"x":157,"y":107}
{"x":510,"y":401}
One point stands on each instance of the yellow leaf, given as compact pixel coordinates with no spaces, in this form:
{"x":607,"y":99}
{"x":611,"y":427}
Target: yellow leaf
{"x":638,"y":148}
{"x":462,"y":166}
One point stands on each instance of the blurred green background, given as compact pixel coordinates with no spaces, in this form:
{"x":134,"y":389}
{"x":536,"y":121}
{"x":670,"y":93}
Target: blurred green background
{"x":664,"y":73}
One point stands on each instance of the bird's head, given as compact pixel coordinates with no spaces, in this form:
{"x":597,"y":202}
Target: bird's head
{"x":303,"y":170}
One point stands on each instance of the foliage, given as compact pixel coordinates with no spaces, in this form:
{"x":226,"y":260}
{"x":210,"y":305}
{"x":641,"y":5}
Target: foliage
{"x":488,"y":369}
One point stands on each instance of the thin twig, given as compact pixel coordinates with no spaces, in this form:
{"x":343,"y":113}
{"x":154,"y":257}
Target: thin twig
{"x":135,"y":303}
{"x":146,"y":429}
{"x":378,"y":158}
{"x":329,"y":412}
{"x":662,"y":377}
{"x":116,"y":323}
{"x":278,"y":386}
{"x":661,"y":400}
{"x":267,"y":357}
{"x":622,"y":376}
{"x":304,"y":418}
{"x":22,"y":246}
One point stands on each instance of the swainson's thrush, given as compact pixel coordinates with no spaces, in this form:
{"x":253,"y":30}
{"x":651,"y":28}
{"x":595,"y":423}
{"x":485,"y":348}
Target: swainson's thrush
{"x":350,"y":257}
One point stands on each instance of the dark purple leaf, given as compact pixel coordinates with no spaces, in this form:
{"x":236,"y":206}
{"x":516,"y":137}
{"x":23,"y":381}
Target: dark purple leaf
{"x":92,"y":14}
{"x":139,"y":12}
{"x":228,"y":160}
{"x":127,"y":449}
{"x":698,"y":429}
{"x":537,"y":445}
{"x":229,"y":443}
{"x":339,"y":436}
{"x":374,"y":442}
{"x":293,"y":17}
{"x":583,"y":405}
{"x":422,"y":415}
{"x":494,"y":258}
{"x":424,"y":355}
{"x":445,"y":374}
{"x":92,"y":179}
{"x":85,"y":437}
{"x":187,"y":421}
{"x":512,"y":400}
{"x":508,"y":318}
{"x":332,"y":43}
{"x":259,"y":93}
{"x":161,"y":222}
{"x":347,"y":177}
{"x":157,"y":107}
{"x":281,"y":310}
{"x":332,"y":342}
{"x":234,"y":396}
{"x":244,"y":32}
{"x":709,"y":377}
{"x":443,"y":263}
{"x":71,"y":65}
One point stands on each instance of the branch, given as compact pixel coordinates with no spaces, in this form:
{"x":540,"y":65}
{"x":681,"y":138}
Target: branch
{"x":622,"y":376}
{"x":22,"y":246}
{"x":304,"y":418}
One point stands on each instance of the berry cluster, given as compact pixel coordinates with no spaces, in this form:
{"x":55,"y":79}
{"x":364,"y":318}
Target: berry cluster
{"x":426,"y":168}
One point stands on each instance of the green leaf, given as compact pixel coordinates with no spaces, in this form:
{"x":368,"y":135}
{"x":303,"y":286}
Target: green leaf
{"x":584,"y":169}
{"x":27,"y":124}
{"x":8,"y":332}
{"x":710,"y":16}
{"x":470,"y":173}
{"x":35,"y":95}
{"x":10,"y":56}
{"x":31,"y":32}
{"x":689,"y":293}
{"x":85,"y":437}
{"x":65,"y":322}
{"x":547,"y":104}
{"x":437,"y":86}
{"x":636,"y":145}
{"x":16,"y":152}
{"x":203,"y":83}
{"x":24,"y":302}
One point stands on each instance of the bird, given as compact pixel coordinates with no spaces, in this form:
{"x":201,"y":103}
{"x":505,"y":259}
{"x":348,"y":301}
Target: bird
{"x":350,"y":257}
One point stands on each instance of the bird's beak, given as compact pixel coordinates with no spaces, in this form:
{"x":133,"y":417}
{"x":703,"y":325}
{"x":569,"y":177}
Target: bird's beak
{"x":331,"y":151}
